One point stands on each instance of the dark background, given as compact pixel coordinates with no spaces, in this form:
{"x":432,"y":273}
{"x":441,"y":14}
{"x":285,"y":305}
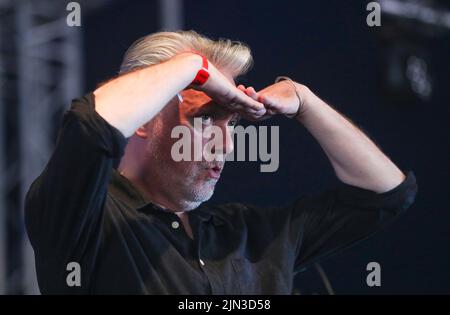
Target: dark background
{"x":328,"y":46}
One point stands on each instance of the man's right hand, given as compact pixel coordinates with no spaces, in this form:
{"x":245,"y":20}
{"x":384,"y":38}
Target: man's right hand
{"x":221,"y":88}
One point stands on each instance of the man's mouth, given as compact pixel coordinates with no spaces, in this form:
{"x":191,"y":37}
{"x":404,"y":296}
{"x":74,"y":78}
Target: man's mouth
{"x":214,"y":171}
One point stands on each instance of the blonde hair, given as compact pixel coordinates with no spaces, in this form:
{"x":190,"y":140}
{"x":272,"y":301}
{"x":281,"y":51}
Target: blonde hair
{"x":156,"y":48}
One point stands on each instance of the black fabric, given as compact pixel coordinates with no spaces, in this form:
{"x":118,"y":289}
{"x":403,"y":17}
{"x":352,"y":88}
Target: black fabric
{"x":80,"y":209}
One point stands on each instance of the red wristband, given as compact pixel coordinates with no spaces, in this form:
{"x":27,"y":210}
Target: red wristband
{"x":202,"y":74}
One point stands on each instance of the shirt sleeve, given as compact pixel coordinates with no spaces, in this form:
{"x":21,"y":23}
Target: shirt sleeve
{"x":339,"y":218}
{"x":64,"y":205}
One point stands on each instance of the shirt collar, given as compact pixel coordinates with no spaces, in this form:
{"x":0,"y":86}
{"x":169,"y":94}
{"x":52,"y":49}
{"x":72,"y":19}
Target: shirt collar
{"x":122,"y":189}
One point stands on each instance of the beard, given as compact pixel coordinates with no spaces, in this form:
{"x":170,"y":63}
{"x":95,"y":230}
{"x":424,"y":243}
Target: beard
{"x":186,"y":182}
{"x":191,"y":184}
{"x":198,"y":188}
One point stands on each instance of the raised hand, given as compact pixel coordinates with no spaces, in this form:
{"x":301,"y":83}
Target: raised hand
{"x":284,"y":97}
{"x":221,"y":89}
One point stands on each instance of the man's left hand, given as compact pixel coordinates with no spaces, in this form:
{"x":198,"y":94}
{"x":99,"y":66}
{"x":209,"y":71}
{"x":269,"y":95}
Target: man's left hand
{"x":279,"y":98}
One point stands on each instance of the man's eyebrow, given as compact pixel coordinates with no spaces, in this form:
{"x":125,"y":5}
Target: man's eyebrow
{"x":211,"y":109}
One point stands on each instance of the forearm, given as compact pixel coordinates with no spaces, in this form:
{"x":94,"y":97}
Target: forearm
{"x":133,"y":99}
{"x":355,"y":158}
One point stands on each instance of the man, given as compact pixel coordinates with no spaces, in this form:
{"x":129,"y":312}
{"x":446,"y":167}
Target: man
{"x":113,"y":201}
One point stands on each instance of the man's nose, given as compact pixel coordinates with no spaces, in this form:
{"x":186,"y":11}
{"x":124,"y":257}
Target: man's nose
{"x":225,"y":146}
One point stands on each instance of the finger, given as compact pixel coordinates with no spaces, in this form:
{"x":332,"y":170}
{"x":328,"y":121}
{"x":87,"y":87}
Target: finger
{"x":267,"y":100}
{"x":241,"y":87}
{"x":244,"y":108}
{"x":268,"y":114}
{"x":246,"y":100}
{"x":252,"y":117}
{"x":241,"y":99}
{"x":259,"y":112}
{"x":250,"y":91}
{"x":250,"y":111}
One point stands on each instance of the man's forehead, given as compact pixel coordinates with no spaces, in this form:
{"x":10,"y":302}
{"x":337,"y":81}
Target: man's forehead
{"x":195,"y":97}
{"x":198,"y":99}
{"x":195,"y":101}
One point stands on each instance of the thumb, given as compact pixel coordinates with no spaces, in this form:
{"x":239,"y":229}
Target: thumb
{"x":267,"y":100}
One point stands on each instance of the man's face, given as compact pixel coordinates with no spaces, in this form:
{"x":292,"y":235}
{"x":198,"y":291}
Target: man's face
{"x":189,"y":182}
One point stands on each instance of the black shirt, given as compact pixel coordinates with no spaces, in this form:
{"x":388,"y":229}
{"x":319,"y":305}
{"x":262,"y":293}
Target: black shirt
{"x":80,"y":209}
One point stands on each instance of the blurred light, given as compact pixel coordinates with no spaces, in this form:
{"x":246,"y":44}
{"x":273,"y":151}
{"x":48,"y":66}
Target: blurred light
{"x":417,"y":73}
{"x":418,"y":10}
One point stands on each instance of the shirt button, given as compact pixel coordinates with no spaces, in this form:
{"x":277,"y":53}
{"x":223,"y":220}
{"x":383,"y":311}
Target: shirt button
{"x":175,"y":224}
{"x":201,"y":262}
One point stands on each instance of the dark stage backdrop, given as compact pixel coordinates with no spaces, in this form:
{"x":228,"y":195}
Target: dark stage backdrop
{"x":328,"y":46}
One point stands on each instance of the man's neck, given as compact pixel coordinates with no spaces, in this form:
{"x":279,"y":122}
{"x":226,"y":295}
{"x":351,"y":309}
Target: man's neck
{"x":157,"y":195}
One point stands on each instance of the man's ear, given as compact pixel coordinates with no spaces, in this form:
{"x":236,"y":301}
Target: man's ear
{"x":142,"y":131}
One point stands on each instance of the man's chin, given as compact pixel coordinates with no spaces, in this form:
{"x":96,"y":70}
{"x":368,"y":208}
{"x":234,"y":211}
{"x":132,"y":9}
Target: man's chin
{"x":203,"y":193}
{"x":195,"y":202}
{"x":198,"y":192}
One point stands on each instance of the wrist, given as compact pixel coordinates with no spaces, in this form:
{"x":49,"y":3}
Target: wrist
{"x":306,"y":96}
{"x":192,"y":62}
{"x":203,"y":73}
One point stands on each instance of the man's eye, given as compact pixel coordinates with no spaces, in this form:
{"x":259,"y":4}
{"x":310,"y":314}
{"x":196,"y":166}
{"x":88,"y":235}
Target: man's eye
{"x":206,"y":119}
{"x":232,"y":123}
